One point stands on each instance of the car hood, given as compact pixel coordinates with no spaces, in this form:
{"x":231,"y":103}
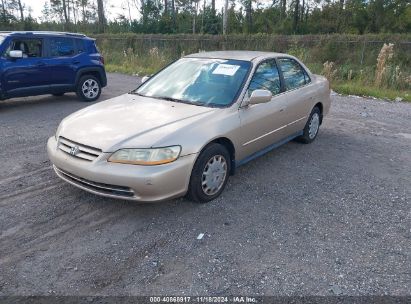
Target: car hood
{"x":129,"y":121}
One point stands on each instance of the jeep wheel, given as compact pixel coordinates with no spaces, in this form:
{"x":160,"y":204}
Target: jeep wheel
{"x":88,"y":88}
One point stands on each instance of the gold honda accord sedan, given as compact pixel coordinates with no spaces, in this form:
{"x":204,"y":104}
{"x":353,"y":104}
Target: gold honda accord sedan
{"x":184,"y":130}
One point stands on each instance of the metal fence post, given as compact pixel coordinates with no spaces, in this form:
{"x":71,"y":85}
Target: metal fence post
{"x":362,"y":52}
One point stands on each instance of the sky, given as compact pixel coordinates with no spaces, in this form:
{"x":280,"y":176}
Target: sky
{"x":113,"y":7}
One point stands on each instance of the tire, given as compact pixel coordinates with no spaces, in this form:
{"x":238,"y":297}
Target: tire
{"x":88,"y":88}
{"x":58,"y":94}
{"x":311,"y":128}
{"x":213,"y":154}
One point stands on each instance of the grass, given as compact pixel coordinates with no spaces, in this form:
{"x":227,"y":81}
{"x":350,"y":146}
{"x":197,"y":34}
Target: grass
{"x":353,"y":88}
{"x":131,"y":70}
{"x":130,"y":62}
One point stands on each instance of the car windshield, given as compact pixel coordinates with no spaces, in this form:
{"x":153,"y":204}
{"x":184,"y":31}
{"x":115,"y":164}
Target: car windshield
{"x":199,"y":81}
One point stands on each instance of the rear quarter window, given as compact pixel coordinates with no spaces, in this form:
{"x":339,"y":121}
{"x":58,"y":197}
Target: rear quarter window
{"x":80,"y":45}
{"x":92,"y":48}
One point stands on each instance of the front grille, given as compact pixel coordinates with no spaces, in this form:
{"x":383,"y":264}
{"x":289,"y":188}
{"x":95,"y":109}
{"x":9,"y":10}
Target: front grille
{"x":95,"y":186}
{"x":82,"y":151}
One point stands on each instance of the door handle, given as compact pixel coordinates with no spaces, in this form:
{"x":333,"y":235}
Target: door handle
{"x":75,"y":62}
{"x":40,"y":63}
{"x":282,"y":110}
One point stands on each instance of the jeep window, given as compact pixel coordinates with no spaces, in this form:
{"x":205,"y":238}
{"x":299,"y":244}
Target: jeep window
{"x":80,"y":46}
{"x":31,"y":48}
{"x":61,"y":47}
{"x":93,"y":48}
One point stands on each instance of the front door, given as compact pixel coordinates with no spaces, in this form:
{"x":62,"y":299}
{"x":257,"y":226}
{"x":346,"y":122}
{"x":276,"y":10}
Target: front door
{"x":262,"y":125}
{"x":28,"y":75}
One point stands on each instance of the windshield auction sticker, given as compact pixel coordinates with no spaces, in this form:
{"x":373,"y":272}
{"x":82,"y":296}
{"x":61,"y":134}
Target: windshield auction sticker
{"x":226,"y":69}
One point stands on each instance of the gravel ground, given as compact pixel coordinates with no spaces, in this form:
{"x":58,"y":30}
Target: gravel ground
{"x":328,"y":218}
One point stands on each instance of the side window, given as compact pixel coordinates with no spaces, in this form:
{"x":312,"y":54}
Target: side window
{"x":266,"y":77}
{"x":61,"y":47}
{"x":31,"y":48}
{"x":92,"y":47}
{"x":80,"y":46}
{"x":294,"y":74}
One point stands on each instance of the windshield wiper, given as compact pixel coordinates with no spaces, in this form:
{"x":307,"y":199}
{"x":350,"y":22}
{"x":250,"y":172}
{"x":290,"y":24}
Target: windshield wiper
{"x":174,"y":99}
{"x":135,"y":93}
{"x":171,"y":99}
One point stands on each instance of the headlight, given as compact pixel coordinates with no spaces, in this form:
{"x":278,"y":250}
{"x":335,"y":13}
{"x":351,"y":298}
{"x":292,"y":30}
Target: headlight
{"x":146,"y":157}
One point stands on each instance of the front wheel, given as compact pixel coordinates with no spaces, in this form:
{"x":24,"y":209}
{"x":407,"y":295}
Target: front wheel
{"x":210,"y":174}
{"x":311,"y":127}
{"x":88,"y":88}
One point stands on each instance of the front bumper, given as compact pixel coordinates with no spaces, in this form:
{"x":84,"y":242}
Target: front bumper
{"x":132,"y":182}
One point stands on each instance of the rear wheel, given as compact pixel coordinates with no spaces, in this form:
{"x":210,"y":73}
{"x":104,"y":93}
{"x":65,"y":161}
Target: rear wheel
{"x":210,"y":174}
{"x":88,"y":88}
{"x":311,"y":127}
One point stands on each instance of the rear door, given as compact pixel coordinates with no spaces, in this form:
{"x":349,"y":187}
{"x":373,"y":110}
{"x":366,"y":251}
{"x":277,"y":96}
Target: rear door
{"x":28,"y":75}
{"x":63,"y":62}
{"x":299,"y":93}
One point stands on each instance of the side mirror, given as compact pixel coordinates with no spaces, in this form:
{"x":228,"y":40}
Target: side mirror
{"x":16,"y":54}
{"x":145,"y":78}
{"x":260,"y":96}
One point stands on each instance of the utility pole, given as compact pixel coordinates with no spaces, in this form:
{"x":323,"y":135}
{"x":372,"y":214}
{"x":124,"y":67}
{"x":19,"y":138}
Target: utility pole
{"x":225,"y":17}
{"x":173,"y":10}
{"x":195,"y":15}
{"x":66,"y":21}
{"x":129,"y":11}
{"x":101,"y":17}
{"x":202,"y":17}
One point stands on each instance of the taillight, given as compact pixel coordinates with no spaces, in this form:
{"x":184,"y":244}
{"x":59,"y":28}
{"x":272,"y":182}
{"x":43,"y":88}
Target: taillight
{"x":102,"y":59}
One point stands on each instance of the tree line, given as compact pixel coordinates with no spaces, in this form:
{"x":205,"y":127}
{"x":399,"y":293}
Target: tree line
{"x":202,"y":16}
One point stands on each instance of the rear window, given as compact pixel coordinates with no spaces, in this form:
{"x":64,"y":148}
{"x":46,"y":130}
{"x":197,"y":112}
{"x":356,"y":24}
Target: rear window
{"x":62,"y":47}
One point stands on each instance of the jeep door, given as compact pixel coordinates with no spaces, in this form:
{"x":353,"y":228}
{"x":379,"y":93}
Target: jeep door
{"x":28,"y":75}
{"x":63,"y":62}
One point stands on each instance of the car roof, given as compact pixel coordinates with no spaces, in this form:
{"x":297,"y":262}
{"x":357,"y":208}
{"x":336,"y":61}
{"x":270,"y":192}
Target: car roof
{"x":41,"y":33}
{"x":237,"y":55}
